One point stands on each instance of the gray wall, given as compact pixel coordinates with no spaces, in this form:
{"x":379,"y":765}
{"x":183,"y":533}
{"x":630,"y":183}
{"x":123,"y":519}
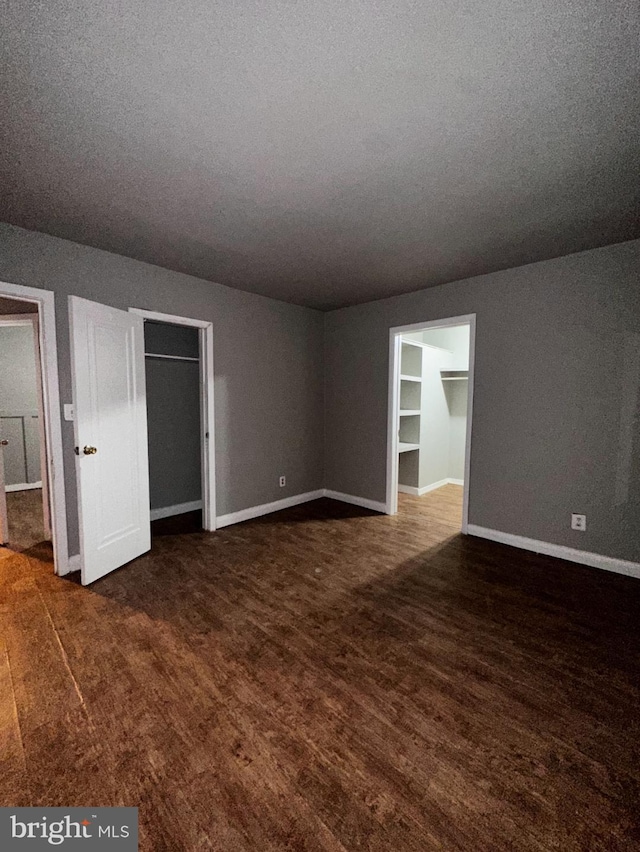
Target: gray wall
{"x":556,"y":421}
{"x":268,"y":362}
{"x":173,"y":416}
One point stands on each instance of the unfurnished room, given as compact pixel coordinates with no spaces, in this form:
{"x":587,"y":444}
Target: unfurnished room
{"x":320,"y":426}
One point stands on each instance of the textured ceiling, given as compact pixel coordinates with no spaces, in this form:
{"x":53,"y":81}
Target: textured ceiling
{"x":324,"y":153}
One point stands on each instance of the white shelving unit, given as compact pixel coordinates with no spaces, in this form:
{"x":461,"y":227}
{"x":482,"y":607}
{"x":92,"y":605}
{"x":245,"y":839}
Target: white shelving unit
{"x":410,"y":407}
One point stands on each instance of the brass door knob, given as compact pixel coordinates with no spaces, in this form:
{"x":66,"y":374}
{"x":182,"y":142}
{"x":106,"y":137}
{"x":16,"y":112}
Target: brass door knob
{"x":3,"y":443}
{"x":90,"y":451}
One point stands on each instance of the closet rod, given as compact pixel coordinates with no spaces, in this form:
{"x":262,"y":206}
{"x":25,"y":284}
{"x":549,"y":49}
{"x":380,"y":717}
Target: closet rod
{"x":170,"y":357}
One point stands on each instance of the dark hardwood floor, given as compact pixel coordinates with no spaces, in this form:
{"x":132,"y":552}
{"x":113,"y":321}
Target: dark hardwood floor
{"x":329,"y":679}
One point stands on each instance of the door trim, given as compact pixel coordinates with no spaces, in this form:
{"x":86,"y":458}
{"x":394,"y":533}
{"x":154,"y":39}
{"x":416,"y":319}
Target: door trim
{"x":394,"y":391}
{"x":207,"y":411}
{"x":48,"y":360}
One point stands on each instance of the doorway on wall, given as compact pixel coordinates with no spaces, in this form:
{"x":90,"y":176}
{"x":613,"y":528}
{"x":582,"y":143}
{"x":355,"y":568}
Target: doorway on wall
{"x":111,"y":356}
{"x":430,"y":418}
{"x":39,"y":305}
{"x":25,"y":519}
{"x":176,"y":439}
{"x":179,"y":379}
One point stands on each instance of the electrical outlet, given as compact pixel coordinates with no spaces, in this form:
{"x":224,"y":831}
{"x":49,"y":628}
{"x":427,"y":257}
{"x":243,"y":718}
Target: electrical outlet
{"x":578,"y":522}
{"x":283,"y":481}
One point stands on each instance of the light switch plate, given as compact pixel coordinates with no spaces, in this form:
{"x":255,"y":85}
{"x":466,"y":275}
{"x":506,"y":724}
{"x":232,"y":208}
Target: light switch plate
{"x":68,"y":411}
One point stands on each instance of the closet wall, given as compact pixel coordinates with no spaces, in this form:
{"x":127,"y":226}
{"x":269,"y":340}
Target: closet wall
{"x":19,"y":421}
{"x":173,"y":416}
{"x":456,"y":341}
{"x":456,"y":393}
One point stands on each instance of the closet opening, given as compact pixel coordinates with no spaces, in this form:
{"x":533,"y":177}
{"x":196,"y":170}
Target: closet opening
{"x":430,"y":410}
{"x":179,"y":402}
{"x":24,"y":493}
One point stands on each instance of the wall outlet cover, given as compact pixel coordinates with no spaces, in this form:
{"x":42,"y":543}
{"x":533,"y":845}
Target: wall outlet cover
{"x":283,"y":481}
{"x":578,"y":522}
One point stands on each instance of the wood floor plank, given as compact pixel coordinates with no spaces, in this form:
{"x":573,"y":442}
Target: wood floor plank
{"x":326,"y":679}
{"x":14,"y":786}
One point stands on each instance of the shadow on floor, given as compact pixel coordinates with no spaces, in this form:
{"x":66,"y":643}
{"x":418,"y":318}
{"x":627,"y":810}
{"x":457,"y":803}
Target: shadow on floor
{"x":322,"y":509}
{"x":185,"y":524}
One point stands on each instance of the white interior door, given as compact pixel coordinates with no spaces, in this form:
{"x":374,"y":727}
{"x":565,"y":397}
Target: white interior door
{"x":4,"y":523}
{"x":107,"y":354}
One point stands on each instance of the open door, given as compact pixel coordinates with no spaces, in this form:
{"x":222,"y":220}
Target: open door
{"x":107,"y":358}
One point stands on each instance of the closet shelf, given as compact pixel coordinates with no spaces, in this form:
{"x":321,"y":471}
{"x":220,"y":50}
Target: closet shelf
{"x":409,"y":412}
{"x":405,"y":448}
{"x":410,"y":378}
{"x":454,"y":375}
{"x":170,"y":357}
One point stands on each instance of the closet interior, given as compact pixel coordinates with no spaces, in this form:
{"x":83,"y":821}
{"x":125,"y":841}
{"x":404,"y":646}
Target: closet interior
{"x":172,"y":367}
{"x":432,"y":411}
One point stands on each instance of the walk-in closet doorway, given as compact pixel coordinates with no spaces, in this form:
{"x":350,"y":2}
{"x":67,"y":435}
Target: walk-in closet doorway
{"x":430,"y":420}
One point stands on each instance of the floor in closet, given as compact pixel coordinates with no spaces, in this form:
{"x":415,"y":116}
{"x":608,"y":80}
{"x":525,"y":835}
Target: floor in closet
{"x":26,"y":520}
{"x":442,"y":506}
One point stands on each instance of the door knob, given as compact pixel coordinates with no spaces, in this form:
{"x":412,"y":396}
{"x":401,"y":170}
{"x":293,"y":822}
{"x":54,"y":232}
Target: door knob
{"x":90,"y":451}
{"x":3,"y":443}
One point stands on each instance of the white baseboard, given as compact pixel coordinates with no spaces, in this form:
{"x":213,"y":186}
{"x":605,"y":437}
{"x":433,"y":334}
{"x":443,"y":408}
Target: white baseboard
{"x":355,"y":501}
{"x":409,"y":489}
{"x":23,"y":486}
{"x":419,"y":492}
{"x":571,"y":554}
{"x":297,"y":499}
{"x":266,"y":508}
{"x":179,"y":509}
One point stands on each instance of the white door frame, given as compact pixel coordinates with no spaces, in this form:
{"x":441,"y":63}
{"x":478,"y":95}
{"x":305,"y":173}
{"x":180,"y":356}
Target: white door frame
{"x":48,"y":361}
{"x":394,"y":392}
{"x":207,"y":422}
